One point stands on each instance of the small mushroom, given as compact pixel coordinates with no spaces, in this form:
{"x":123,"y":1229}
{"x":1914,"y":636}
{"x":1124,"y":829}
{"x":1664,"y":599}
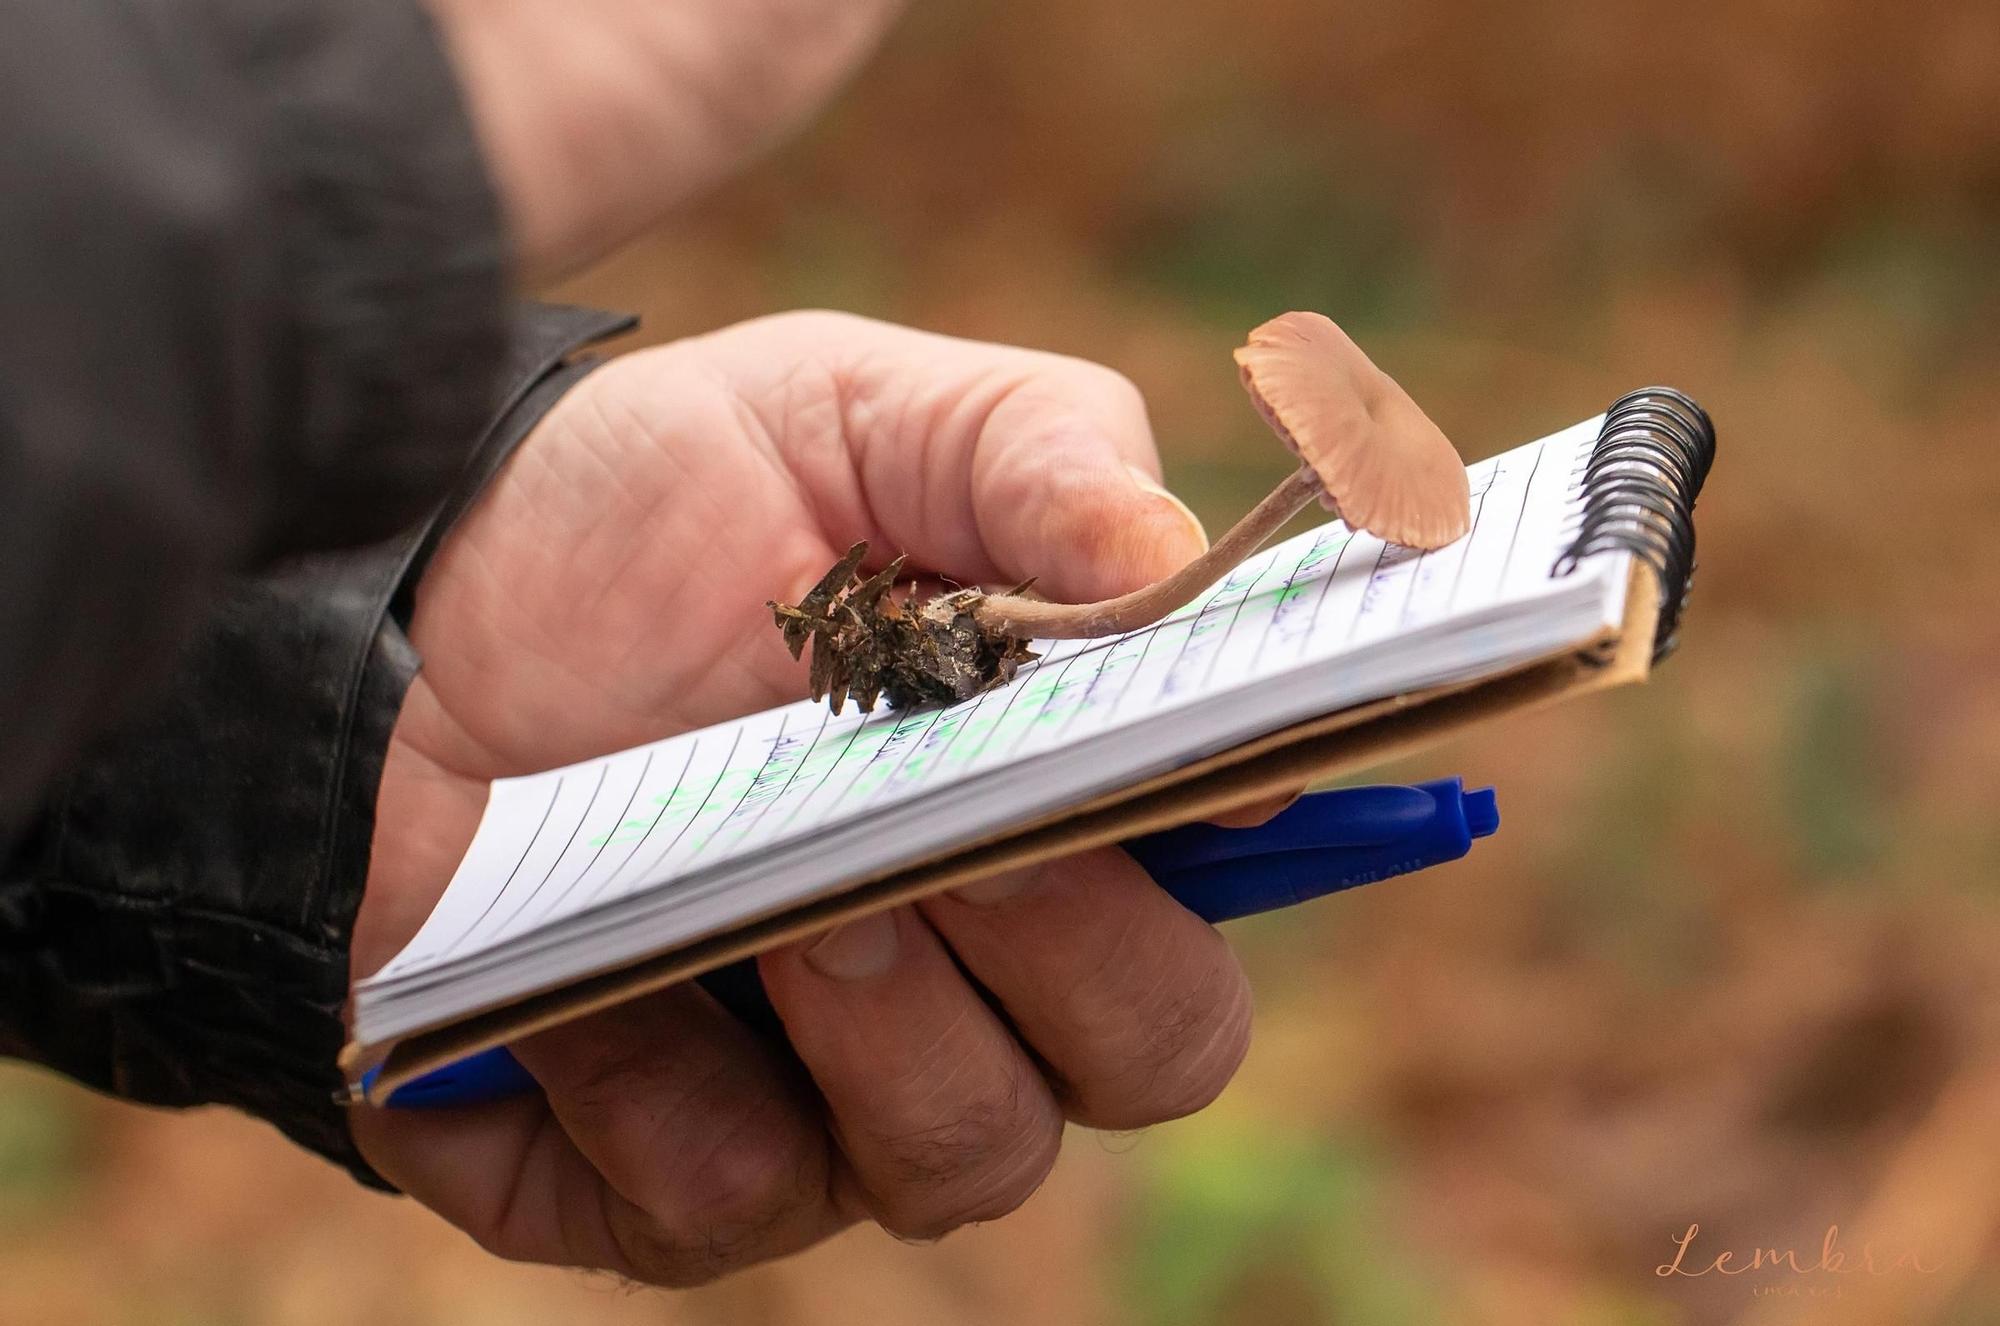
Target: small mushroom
{"x":1367,"y":453}
{"x":1386,"y":467}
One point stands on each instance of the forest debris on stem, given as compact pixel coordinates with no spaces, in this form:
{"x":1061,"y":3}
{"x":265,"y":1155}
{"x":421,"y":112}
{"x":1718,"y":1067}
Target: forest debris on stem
{"x":867,"y":644}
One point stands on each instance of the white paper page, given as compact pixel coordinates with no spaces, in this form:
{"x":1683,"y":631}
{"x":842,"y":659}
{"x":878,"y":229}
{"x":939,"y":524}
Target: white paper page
{"x":559,"y":847}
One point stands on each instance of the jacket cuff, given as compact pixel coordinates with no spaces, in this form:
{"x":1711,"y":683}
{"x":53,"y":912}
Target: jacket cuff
{"x":175,"y":928}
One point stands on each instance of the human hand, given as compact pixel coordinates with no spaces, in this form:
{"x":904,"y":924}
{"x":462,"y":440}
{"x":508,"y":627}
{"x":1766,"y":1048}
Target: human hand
{"x":597,"y":116}
{"x":608,"y":590}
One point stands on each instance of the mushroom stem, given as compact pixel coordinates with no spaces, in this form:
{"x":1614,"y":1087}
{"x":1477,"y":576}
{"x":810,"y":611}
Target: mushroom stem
{"x":1013,"y":614}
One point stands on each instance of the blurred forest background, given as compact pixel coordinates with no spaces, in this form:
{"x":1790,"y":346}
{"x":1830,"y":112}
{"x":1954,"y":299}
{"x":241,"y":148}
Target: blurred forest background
{"x":1735,"y":960}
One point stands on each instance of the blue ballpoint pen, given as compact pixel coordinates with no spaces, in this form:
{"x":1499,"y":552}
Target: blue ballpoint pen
{"x":1323,"y":843}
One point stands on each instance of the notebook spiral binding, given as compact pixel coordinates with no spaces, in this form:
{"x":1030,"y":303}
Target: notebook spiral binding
{"x":1640,"y":483}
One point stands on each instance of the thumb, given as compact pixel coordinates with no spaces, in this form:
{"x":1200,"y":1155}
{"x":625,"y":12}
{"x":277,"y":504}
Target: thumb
{"x":1065,"y":491}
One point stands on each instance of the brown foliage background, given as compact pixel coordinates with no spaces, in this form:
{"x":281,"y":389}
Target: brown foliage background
{"x":1735,"y":960}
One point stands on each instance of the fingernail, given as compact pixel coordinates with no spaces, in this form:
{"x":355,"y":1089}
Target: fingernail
{"x":857,"y":951}
{"x":998,"y":888}
{"x":1153,"y":488}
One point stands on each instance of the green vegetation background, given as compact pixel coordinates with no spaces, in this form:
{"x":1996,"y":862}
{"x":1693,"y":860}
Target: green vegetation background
{"x":1735,"y":960}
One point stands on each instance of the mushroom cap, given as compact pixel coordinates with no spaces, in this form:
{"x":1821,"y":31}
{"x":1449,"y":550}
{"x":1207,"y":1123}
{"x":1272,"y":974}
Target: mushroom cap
{"x":1380,"y":458}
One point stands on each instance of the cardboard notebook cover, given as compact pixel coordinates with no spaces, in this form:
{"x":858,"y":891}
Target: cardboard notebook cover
{"x":1272,"y":765}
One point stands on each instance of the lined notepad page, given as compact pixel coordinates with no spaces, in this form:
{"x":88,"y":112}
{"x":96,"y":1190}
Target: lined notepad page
{"x":602,"y":863}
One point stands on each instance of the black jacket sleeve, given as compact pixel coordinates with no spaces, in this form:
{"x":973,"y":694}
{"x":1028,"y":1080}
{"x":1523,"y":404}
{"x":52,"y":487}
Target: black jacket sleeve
{"x":250,"y":279}
{"x":174,"y":924}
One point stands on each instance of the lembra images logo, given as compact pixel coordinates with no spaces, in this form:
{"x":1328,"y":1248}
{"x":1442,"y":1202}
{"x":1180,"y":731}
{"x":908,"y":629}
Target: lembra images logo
{"x":1832,"y":1261}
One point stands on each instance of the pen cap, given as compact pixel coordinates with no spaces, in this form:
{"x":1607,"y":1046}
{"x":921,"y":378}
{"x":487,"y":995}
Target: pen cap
{"x":1323,"y":843}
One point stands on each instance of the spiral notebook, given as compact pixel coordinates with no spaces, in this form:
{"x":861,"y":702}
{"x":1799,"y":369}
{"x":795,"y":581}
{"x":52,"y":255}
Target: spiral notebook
{"x":591,"y":884}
